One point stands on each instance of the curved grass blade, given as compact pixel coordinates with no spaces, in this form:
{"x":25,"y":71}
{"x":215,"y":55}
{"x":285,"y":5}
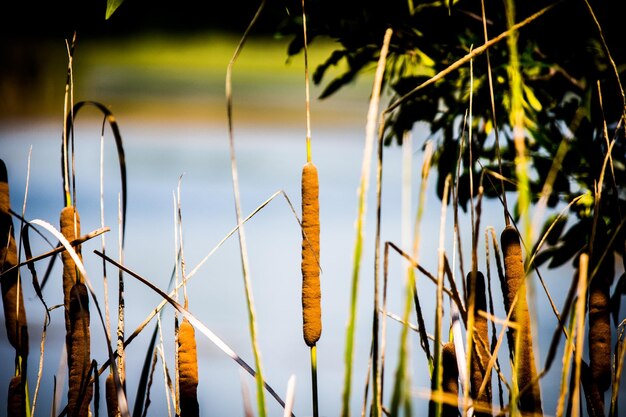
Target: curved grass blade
{"x":197,"y":324}
{"x":69,"y":126}
{"x":241,"y":230}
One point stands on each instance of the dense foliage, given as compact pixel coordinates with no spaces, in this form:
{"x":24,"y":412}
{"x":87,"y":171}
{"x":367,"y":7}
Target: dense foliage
{"x":571,"y":94}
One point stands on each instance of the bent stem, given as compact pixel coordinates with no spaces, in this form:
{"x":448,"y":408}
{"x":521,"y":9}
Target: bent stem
{"x":242,"y":238}
{"x":358,"y":246}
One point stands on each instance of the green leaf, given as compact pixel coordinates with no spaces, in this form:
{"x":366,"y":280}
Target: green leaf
{"x":112,"y":6}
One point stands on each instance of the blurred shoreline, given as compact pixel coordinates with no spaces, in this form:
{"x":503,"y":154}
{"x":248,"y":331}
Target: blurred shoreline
{"x":150,"y":77}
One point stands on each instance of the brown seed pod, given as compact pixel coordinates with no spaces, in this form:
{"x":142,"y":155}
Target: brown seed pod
{"x":480,"y":354}
{"x":311,"y":292}
{"x":599,"y":336}
{"x":79,"y":353}
{"x":111,"y":397}
{"x":16,"y":401}
{"x":515,"y":285}
{"x":449,"y":383}
{"x":188,"y":370}
{"x":70,"y":228}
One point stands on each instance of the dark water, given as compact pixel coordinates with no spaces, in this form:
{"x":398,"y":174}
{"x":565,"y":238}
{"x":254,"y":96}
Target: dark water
{"x":269,"y":159}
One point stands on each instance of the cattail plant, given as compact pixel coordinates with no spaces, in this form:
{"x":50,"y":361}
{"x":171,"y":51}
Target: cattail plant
{"x":187,"y":370}
{"x":600,"y":328}
{"x":449,"y":384}
{"x":12,"y":300}
{"x":480,"y":353}
{"x":16,"y":402}
{"x":311,"y":293}
{"x":520,"y":341}
{"x":111,"y":396}
{"x":76,"y":300}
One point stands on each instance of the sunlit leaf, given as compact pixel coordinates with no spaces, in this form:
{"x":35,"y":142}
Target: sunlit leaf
{"x":112,"y":6}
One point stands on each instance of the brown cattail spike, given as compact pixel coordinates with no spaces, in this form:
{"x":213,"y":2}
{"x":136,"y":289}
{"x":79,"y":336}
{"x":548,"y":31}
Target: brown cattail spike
{"x":515,"y":285}
{"x":311,"y":292}
{"x":188,"y":370}
{"x":70,"y":228}
{"x":480,"y":353}
{"x":12,"y":297}
{"x":600,"y":324}
{"x":79,"y":353}
{"x":449,"y":383}
{"x":111,"y":397}
{"x":16,"y":401}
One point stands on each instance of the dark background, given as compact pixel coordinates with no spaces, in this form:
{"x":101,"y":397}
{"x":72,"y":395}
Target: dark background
{"x":52,"y":19}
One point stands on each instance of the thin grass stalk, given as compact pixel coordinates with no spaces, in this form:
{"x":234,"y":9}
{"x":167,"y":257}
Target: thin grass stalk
{"x":401,"y":373}
{"x":494,"y":119}
{"x":620,"y":353}
{"x":566,"y":360}
{"x":608,"y":54}
{"x":121,"y":303}
{"x":370,"y":131}
{"x":170,"y":394}
{"x":105,"y":283}
{"x":241,"y":231}
{"x":366,"y":385}
{"x":580,"y":329}
{"x":313,"y":380}
{"x":491,"y":309}
{"x":167,"y":383}
{"x":457,"y":245}
{"x":438,"y":372}
{"x":377,"y":389}
{"x":149,"y":383}
{"x":67,"y":106}
{"x":383,"y":336}
{"x":245,"y":397}
{"x":177,"y":250}
{"x":42,"y":345}
{"x":290,"y":396}
{"x":401,"y":392}
{"x":471,"y":278}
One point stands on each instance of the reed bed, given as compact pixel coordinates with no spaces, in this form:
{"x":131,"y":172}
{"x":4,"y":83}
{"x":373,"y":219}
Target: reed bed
{"x":461,"y":333}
